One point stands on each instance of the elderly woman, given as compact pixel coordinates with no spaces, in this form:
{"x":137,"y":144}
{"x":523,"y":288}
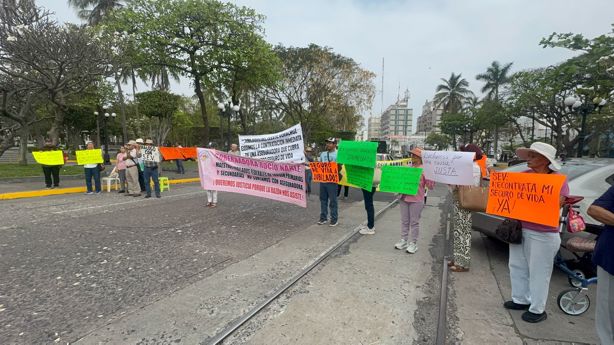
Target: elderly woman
{"x":531,"y":262}
{"x":461,"y":248}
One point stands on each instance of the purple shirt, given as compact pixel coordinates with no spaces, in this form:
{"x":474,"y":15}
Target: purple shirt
{"x":541,"y":227}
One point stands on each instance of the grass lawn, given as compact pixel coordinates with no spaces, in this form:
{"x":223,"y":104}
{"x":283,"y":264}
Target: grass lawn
{"x":16,"y":170}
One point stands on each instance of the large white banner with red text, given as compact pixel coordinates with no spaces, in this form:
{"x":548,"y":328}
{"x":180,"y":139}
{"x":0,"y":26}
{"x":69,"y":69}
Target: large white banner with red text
{"x":267,"y":179}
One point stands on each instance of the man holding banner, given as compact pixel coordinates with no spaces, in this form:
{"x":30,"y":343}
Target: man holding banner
{"x":328,"y":190}
{"x":52,"y":171}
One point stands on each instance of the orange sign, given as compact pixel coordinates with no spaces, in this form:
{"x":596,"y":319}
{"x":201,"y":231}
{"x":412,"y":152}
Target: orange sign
{"x":324,"y":172}
{"x":188,"y":152}
{"x":530,"y":197}
{"x":171,"y":153}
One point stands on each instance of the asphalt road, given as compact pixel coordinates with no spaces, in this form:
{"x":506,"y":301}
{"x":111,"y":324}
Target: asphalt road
{"x":72,"y":263}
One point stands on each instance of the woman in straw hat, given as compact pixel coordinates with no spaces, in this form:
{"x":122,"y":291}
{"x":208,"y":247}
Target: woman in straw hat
{"x":531,"y":262}
{"x":411,"y":208}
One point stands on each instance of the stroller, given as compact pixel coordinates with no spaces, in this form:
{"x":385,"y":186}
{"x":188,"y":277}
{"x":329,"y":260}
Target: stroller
{"x":580,"y":270}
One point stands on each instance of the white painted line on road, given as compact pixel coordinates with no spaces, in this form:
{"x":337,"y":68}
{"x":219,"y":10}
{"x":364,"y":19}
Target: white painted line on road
{"x":138,"y":199}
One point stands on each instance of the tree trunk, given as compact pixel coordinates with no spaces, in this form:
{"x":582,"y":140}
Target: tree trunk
{"x":122,"y":109}
{"x":203,"y":108}
{"x":496,"y":144}
{"x":6,"y":142}
{"x":24,"y":132}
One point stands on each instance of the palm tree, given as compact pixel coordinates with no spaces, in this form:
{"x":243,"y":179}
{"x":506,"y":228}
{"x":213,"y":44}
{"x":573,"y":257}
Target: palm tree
{"x":495,"y":77}
{"x":95,"y":10}
{"x":452,"y":93}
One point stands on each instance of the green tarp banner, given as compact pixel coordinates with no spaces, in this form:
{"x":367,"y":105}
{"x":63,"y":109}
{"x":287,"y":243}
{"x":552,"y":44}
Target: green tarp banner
{"x":360,"y":153}
{"x":399,"y":179}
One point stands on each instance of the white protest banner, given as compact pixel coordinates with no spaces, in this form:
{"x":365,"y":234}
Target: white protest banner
{"x":449,"y":167}
{"x":151,"y":154}
{"x":284,"y":146}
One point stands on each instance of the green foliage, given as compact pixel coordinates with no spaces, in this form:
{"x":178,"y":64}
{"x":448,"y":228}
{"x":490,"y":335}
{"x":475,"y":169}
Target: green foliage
{"x":158,"y":103}
{"x":437,"y":141}
{"x":452,"y":93}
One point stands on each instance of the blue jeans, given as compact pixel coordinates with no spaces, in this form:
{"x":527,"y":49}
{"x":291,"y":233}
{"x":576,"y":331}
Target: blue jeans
{"x":153,"y":174}
{"x":368,"y":196}
{"x":308,"y":178}
{"x":95,"y":173}
{"x":328,"y":194}
{"x":180,"y":168}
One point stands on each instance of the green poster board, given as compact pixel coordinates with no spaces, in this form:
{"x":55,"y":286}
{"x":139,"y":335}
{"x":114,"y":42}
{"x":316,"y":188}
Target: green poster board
{"x":360,"y":176}
{"x":359,"y":153}
{"x":399,"y":179}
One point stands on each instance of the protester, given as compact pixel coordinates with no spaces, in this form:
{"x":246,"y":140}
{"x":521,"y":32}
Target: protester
{"x":151,"y":159}
{"x":367,"y":196}
{"x":120,"y":166}
{"x":462,"y":219}
{"x":179,"y":162}
{"x":531,"y":262}
{"x":92,"y":171}
{"x":52,"y":172}
{"x":140,"y":164}
{"x":234,"y":150}
{"x":309,"y":158}
{"x":346,"y":191}
{"x":132,"y":171}
{"x":602,"y":210}
{"x":328,"y":190}
{"x":411,"y":208}
{"x":212,"y":194}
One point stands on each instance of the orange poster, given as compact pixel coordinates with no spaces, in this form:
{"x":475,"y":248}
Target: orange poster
{"x":170,"y":153}
{"x":525,"y":196}
{"x":324,"y":172}
{"x":188,"y":152}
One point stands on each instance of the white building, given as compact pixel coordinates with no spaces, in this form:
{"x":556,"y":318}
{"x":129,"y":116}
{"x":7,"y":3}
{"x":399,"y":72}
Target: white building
{"x":396,"y":122}
{"x":430,"y":119}
{"x":374,"y":129}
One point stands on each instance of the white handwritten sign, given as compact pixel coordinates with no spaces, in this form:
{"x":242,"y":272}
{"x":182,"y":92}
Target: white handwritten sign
{"x":284,"y":146}
{"x":449,"y":167}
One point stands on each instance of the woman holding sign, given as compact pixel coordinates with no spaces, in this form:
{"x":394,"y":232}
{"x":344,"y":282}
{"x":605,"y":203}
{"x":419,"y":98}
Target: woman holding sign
{"x":411,"y":209}
{"x":52,"y":172}
{"x":531,"y":262}
{"x":92,"y":171}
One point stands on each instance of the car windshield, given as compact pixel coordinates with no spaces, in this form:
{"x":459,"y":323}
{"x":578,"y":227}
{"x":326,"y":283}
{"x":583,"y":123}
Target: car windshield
{"x":570,"y":170}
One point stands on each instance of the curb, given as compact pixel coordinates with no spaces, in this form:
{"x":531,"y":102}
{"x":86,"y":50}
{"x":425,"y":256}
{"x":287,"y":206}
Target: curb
{"x":72,"y":190}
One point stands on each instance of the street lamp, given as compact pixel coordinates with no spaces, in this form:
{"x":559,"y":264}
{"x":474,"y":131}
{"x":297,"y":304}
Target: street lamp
{"x":227,"y":112}
{"x":584,"y":109}
{"x":106,"y":157}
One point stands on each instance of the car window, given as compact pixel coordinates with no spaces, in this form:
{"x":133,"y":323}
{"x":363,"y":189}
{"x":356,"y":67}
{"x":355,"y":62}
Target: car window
{"x":570,"y":170}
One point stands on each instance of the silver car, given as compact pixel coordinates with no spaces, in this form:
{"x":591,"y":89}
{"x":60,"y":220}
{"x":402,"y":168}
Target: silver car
{"x":586,"y":177}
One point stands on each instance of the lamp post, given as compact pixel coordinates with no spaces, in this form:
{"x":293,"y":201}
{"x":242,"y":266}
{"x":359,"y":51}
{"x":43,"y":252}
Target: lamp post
{"x":584,"y":109}
{"x":106,"y":157}
{"x":227,"y":112}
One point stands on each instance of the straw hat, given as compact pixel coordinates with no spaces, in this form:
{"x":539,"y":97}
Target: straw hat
{"x":132,"y":142}
{"x":149,"y":141}
{"x":543,"y":149}
{"x":417,"y":151}
{"x":139,"y":141}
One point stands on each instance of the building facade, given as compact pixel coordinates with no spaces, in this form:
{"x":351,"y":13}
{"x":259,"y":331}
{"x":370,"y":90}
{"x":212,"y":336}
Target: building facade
{"x":430,"y":119}
{"x":396,"y":122}
{"x":374,"y":130}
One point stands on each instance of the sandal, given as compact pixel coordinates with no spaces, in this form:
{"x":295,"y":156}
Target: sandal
{"x":213,"y":204}
{"x":458,"y":269}
{"x":450,"y":263}
{"x":208,"y":204}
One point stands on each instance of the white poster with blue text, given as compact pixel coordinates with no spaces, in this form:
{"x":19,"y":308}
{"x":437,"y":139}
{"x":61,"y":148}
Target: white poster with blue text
{"x":449,"y":167}
{"x":285,"y":146}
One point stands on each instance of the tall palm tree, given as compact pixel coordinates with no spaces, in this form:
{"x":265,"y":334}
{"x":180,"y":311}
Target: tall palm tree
{"x":495,"y":77}
{"x":95,"y":10}
{"x":452,"y":93}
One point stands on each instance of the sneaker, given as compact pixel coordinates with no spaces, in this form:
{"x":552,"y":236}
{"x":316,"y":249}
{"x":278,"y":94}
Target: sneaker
{"x":98,"y":192}
{"x":534,"y":318}
{"x":367,"y":231}
{"x":122,"y":191}
{"x":322,"y":222}
{"x":158,"y":196}
{"x":515,"y":306}
{"x":412,"y":247}
{"x":335,"y":223}
{"x":402,"y":244}
{"x":147,"y":196}
{"x":89,"y":193}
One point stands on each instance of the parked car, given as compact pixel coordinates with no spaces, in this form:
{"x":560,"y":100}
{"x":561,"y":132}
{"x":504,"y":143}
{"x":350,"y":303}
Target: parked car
{"x":383,"y":157}
{"x":586,"y":177}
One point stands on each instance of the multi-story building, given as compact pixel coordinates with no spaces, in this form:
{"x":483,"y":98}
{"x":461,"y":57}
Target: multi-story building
{"x":374,"y":130}
{"x":396,"y":122}
{"x":430,"y":119}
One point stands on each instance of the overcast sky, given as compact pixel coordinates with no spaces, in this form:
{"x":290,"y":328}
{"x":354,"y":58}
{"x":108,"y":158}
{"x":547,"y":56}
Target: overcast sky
{"x":422,"y":40}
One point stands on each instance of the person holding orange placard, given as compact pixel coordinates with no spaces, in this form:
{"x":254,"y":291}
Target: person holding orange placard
{"x":531,"y":262}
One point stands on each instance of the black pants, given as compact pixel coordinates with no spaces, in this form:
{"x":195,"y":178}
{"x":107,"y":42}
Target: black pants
{"x":142,"y":180}
{"x":346,"y":190}
{"x":368,"y":196}
{"x":52,"y":175}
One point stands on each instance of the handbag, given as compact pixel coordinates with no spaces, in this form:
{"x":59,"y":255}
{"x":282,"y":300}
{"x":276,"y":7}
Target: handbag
{"x":510,"y":231}
{"x":575,"y":222}
{"x":473,"y":198}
